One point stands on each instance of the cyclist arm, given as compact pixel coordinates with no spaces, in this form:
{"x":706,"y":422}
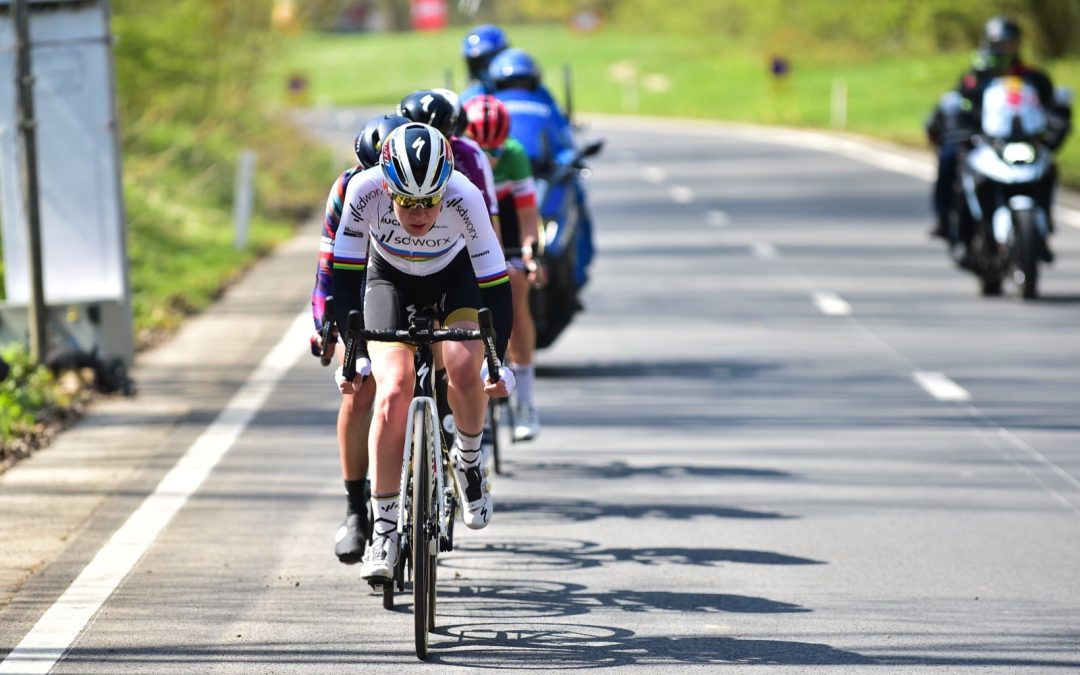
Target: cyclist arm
{"x":349,"y":262}
{"x":489,"y":266}
{"x":323,"y":271}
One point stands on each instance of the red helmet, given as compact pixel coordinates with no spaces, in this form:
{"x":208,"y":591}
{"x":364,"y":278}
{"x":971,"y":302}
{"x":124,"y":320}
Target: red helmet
{"x":489,"y":121}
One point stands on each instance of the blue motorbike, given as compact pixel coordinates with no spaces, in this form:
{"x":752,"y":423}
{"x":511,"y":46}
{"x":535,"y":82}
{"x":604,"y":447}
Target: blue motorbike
{"x":565,"y":243}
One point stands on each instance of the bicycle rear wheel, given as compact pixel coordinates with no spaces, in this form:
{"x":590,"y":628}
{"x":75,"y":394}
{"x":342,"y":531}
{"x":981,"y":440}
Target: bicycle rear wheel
{"x":424,"y":528}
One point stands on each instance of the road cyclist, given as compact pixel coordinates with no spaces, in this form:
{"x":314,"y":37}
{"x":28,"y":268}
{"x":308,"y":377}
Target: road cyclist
{"x":354,"y":412}
{"x":415,"y":232}
{"x":489,"y":125}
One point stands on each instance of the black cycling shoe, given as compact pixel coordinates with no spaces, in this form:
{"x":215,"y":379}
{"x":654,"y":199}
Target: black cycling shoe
{"x":351,"y":539}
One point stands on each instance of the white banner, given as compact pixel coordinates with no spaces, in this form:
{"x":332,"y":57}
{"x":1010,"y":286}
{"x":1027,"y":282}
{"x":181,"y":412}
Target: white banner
{"x":78,"y":170}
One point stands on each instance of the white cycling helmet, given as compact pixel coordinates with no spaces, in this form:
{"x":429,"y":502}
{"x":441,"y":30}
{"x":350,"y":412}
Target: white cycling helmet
{"x":416,"y":161}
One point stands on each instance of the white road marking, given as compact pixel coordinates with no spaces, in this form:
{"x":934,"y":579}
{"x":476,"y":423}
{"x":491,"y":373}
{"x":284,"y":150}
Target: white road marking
{"x":764,"y":250}
{"x":681,"y":194}
{"x":654,"y":174}
{"x":831,"y":304}
{"x":718,"y":218}
{"x":940,"y":387}
{"x":60,"y":626}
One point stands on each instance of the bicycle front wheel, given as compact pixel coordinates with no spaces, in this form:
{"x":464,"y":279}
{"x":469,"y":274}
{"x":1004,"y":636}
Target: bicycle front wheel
{"x":424,"y":527}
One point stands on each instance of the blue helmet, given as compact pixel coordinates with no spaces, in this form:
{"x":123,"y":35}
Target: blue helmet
{"x":481,"y":44}
{"x":514,"y":69}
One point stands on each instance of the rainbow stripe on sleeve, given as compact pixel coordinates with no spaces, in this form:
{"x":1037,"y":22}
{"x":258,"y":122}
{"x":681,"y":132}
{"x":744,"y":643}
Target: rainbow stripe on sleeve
{"x":493,"y":279}
{"x":359,"y":264}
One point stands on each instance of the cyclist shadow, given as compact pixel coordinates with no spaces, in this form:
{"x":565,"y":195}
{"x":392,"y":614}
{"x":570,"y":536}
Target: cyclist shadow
{"x":619,"y":469}
{"x":550,"y":554}
{"x":578,"y":646}
{"x":521,"y":631}
{"x":578,"y":511}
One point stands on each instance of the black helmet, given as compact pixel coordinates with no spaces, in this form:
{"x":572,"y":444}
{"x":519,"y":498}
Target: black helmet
{"x":369,"y":141}
{"x":432,"y":107}
{"x":1001,"y":36}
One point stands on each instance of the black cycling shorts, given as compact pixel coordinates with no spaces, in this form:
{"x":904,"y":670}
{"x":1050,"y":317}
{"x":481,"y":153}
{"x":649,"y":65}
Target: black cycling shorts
{"x":392,"y":296}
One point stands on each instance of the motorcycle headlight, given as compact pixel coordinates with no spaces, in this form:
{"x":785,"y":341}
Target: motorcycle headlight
{"x":1018,"y":153}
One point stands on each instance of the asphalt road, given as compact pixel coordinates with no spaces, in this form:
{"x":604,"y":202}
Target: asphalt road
{"x":784,"y":433}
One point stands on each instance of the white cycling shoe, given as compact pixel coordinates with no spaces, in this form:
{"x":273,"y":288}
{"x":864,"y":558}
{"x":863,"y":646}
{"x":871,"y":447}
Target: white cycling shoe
{"x":380,"y":557}
{"x":526,"y":422}
{"x":474,"y":492}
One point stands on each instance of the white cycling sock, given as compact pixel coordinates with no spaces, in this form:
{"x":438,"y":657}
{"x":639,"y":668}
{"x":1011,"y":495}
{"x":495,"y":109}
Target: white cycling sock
{"x":523,"y":389}
{"x":468,"y":447}
{"x":386,"y":514}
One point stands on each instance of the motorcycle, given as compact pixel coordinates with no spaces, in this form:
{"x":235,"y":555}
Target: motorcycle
{"x":1006,"y":181}
{"x":565,"y":243}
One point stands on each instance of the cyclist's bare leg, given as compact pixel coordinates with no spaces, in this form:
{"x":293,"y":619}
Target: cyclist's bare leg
{"x":353,"y":426}
{"x":523,"y":336}
{"x":392,"y":367}
{"x":466,"y":390}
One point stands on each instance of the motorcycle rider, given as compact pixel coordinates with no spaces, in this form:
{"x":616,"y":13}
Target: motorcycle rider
{"x":959,"y":114}
{"x":354,"y":413}
{"x":542,"y":130}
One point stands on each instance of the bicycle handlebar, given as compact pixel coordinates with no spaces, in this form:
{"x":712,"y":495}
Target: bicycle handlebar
{"x":423,"y":335}
{"x":352,"y":345}
{"x":326,"y":331}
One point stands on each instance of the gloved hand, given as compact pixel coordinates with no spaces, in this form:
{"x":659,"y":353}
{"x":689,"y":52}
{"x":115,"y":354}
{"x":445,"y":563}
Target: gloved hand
{"x":363,"y":371}
{"x":503,"y":386}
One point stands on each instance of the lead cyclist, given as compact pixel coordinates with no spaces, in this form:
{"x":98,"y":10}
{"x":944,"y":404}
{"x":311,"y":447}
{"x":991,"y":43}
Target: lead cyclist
{"x":431,"y":242}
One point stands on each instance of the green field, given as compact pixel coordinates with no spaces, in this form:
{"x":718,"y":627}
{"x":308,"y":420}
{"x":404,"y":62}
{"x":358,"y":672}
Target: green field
{"x":665,"y":75}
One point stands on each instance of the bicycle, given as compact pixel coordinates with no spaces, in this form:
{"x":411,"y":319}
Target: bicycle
{"x":428,"y":495}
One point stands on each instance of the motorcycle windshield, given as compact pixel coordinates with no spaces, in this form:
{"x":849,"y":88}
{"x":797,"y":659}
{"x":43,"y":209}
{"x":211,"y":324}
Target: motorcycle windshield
{"x":1008,"y":101}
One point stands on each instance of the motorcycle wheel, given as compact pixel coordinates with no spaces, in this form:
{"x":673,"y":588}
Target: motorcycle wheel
{"x":990,"y":286}
{"x":1027,"y":254}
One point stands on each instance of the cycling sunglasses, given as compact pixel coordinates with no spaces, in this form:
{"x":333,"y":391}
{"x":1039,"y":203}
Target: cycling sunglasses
{"x":416,"y":202}
{"x":494,"y":153}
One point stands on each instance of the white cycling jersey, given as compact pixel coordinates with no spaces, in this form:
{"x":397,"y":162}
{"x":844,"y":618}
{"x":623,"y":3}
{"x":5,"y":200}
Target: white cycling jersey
{"x":463,"y":222}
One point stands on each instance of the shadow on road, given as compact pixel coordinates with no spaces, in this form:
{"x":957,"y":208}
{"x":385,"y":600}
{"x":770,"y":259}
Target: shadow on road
{"x":578,"y":511}
{"x":567,"y":470}
{"x":693,"y":369}
{"x":547,"y":553}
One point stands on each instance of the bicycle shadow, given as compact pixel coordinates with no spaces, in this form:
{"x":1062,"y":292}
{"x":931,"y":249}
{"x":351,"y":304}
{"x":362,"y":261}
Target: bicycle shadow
{"x":618,"y":469}
{"x":538,"y":554}
{"x":579,"y":646}
{"x":579,"y":511}
{"x":682,"y":369}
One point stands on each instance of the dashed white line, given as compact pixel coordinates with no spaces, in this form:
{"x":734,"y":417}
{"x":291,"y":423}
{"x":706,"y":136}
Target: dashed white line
{"x":941,"y":387}
{"x":831,"y":304}
{"x":682,"y":194}
{"x":59,"y":627}
{"x":654,"y":174}
{"x":764,"y":250}
{"x":718,"y":218}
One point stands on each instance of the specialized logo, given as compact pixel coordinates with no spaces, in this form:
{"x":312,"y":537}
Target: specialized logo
{"x":418,"y":146}
{"x":422,"y":374}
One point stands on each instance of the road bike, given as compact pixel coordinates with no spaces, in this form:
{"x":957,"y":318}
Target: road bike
{"x":428,"y":492}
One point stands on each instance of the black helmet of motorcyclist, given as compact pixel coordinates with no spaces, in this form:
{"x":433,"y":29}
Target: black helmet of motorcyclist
{"x":1000,"y":45}
{"x":369,"y":141}
{"x":432,"y":107}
